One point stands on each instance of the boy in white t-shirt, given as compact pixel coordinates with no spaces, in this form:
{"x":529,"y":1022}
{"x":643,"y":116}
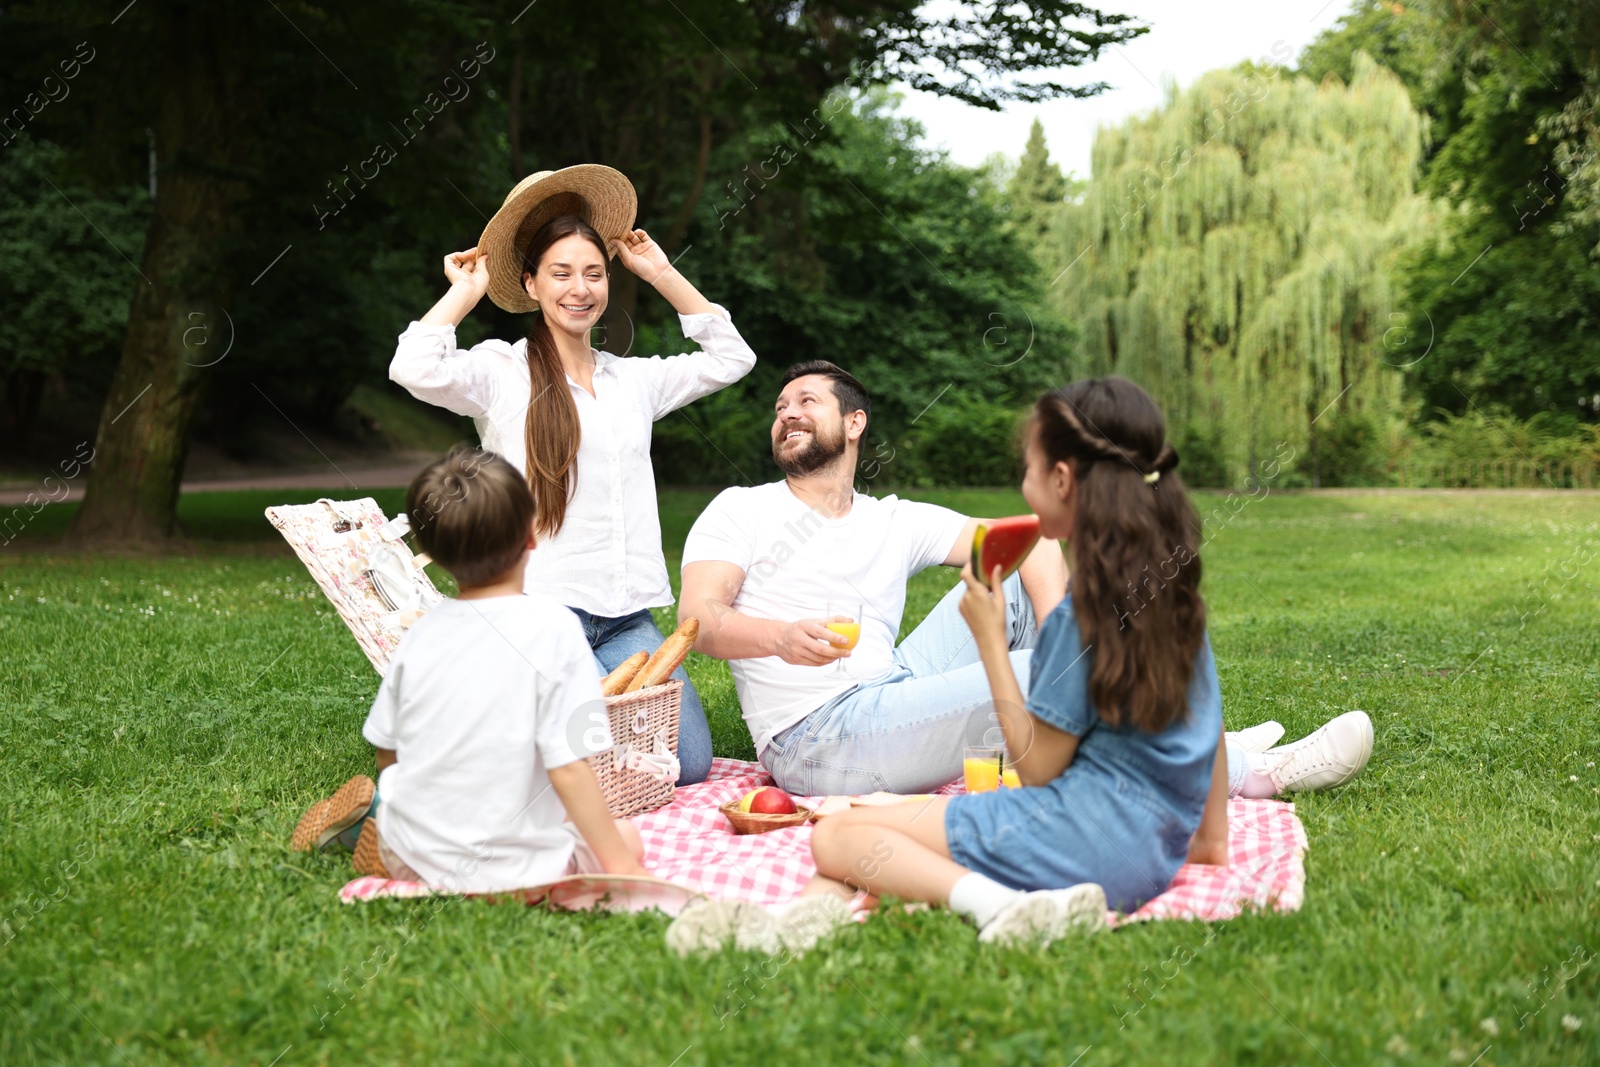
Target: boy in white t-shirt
{"x":482,"y":722}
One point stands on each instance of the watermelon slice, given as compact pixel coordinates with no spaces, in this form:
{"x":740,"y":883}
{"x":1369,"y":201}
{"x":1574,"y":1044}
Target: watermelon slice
{"x":1003,"y":543}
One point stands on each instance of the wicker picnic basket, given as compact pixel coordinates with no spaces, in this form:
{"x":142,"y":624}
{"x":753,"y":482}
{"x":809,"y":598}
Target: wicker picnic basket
{"x":638,"y":721}
{"x":349,"y":546}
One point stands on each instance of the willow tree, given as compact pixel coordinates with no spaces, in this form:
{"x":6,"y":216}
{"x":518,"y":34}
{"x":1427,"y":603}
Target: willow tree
{"x":1233,"y":250}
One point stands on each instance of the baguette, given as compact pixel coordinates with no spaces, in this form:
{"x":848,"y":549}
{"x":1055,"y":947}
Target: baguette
{"x":617,"y":681}
{"x":667,"y":658}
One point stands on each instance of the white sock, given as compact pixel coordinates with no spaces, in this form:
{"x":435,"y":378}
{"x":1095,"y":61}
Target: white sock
{"x":1238,"y":767}
{"x":980,"y":899}
{"x":1258,"y":784}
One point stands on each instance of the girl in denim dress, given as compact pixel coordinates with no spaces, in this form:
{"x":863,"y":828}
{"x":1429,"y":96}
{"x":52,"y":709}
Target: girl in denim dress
{"x":1116,"y":744}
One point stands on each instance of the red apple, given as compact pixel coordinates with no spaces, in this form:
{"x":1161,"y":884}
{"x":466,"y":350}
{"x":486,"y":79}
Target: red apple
{"x":771,"y":801}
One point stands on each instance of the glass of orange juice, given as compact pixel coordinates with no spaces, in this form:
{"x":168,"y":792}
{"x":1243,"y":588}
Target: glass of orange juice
{"x":985,"y":768}
{"x":844,"y":619}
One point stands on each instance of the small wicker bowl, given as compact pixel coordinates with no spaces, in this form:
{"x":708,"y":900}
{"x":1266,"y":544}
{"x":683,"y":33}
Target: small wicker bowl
{"x":747,"y":822}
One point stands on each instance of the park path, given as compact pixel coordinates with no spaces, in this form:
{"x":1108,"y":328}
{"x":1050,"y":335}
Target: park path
{"x":353,"y":481}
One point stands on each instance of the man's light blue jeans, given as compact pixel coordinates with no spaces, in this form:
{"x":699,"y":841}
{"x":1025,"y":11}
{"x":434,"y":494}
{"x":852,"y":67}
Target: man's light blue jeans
{"x":906,"y":731}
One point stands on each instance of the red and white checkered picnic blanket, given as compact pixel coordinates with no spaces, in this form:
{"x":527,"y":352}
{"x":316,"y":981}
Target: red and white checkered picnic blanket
{"x":689,"y":843}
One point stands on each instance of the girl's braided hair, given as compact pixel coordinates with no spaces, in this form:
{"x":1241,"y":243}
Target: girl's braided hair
{"x":1135,"y":563}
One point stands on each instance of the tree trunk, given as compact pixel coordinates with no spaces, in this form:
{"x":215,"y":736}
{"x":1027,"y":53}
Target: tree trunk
{"x":685,"y":215}
{"x":184,"y":283}
{"x":622,"y":309}
{"x":203,"y":134}
{"x":702,"y":159}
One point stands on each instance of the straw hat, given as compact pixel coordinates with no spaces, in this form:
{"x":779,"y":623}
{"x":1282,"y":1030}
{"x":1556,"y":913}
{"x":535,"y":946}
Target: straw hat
{"x":601,"y":196}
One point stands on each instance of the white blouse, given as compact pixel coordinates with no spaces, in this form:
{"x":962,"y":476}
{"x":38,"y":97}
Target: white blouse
{"x":607,"y":558}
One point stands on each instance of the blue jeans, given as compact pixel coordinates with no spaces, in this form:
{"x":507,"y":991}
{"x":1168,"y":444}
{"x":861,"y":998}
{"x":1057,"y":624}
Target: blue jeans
{"x":614,"y":640}
{"x":905,"y":732}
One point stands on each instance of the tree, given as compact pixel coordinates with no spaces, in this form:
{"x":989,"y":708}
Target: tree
{"x":217,"y":87}
{"x":1401,"y":38}
{"x":901,"y":267}
{"x":205,"y":125}
{"x":1504,"y":301}
{"x":255,"y":109}
{"x":62,"y":320}
{"x":1232,"y":254}
{"x":661,"y":117}
{"x":1037,"y":190}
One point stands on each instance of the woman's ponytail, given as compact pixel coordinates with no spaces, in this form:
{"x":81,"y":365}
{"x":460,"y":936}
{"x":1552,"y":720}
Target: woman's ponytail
{"x":550,"y":433}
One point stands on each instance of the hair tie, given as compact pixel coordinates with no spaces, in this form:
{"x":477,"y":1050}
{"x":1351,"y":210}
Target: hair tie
{"x":1152,"y":478}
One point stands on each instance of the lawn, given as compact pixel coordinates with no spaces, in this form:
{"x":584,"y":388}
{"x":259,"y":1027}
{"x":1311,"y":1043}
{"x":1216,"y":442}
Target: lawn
{"x":163,"y":721}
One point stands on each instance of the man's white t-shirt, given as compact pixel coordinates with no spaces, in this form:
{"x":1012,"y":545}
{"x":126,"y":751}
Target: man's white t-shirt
{"x":796,"y":562}
{"x":483,"y":698}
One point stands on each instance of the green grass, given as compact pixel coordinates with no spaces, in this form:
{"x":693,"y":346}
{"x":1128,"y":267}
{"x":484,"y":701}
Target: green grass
{"x":163,"y":721}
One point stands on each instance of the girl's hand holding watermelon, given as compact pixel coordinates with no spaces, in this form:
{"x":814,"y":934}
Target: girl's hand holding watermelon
{"x":998,"y":549}
{"x":984,"y":608}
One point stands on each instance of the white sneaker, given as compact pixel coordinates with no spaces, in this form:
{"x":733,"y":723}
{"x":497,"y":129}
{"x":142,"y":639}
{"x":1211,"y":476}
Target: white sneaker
{"x":1045,"y":915}
{"x":707,"y":925}
{"x":1326,"y":757}
{"x":804,"y":922}
{"x":1259,"y":737}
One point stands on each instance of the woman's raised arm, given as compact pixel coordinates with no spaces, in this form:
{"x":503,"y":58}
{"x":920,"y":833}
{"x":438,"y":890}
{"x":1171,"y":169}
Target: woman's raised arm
{"x":646,"y":259}
{"x":426,"y":360}
{"x":724,"y":357}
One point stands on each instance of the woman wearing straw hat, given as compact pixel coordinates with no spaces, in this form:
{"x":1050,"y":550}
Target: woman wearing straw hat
{"x":576,"y":421}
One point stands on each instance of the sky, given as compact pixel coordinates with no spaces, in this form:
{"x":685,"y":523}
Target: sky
{"x":1186,"y":39}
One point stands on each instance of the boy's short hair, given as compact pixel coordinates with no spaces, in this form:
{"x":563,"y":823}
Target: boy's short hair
{"x":472,"y":512}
